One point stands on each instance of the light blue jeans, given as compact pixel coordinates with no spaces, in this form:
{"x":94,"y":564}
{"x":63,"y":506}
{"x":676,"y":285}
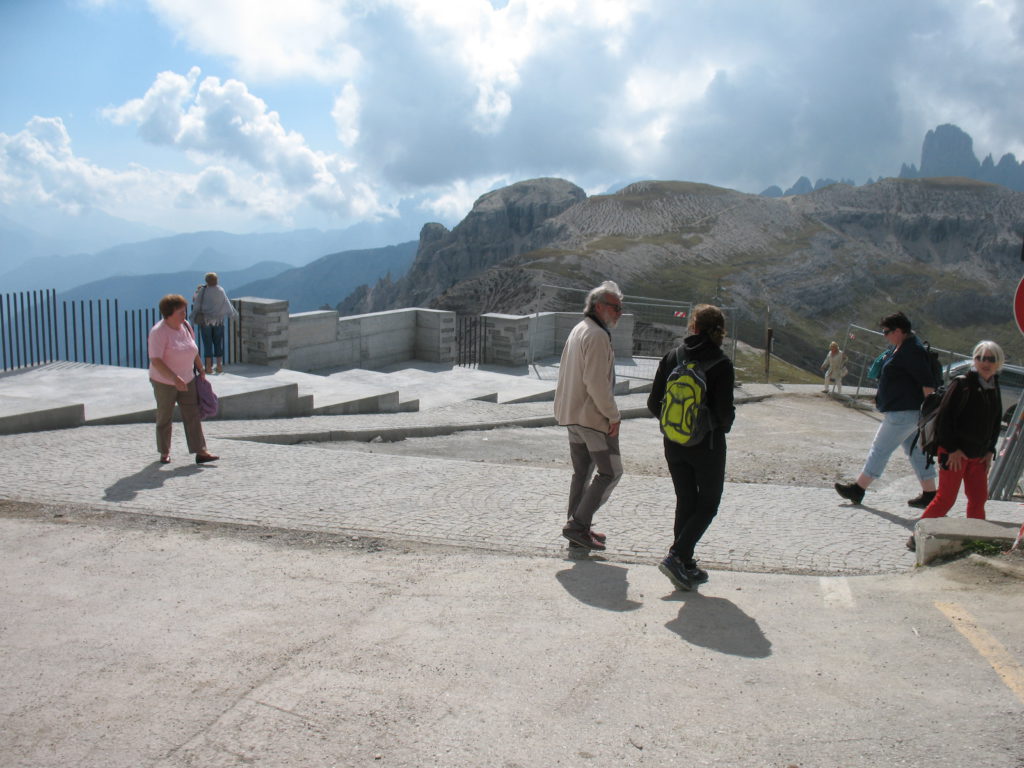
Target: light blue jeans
{"x":897,"y":427}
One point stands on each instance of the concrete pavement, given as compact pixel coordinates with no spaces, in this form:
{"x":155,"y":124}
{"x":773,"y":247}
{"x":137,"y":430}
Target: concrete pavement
{"x":264,"y":481}
{"x":292,"y":638}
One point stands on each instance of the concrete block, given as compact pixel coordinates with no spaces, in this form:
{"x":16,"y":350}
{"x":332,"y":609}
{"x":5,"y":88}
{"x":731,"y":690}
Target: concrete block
{"x":944,"y":536}
{"x":26,"y":414}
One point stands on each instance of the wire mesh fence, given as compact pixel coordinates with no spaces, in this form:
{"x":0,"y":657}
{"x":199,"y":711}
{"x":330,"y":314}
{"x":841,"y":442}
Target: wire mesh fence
{"x":658,"y":324}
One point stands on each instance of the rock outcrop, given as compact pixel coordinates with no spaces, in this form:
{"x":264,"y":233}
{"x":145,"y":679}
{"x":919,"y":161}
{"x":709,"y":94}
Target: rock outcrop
{"x":502,"y":225}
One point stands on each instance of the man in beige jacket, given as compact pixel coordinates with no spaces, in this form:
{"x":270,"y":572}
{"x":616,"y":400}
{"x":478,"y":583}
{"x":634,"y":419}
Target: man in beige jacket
{"x":585,"y":404}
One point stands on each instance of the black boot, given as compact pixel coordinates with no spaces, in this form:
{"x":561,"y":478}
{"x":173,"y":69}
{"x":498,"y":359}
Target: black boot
{"x":852,"y":491}
{"x":923,"y":500}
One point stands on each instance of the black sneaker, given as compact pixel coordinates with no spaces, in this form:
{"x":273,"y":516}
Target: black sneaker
{"x":676,"y":573}
{"x":923,"y":500}
{"x":697,"y":575}
{"x":852,"y":491}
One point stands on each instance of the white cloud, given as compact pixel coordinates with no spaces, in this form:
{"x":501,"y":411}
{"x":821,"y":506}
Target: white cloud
{"x":346,"y":115}
{"x":224,"y":122}
{"x":440,"y":100}
{"x":269,"y":40}
{"x":455,"y":201}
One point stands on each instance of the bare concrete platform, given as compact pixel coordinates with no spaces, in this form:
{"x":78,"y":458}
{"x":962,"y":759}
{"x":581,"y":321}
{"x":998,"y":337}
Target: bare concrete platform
{"x":65,"y":395}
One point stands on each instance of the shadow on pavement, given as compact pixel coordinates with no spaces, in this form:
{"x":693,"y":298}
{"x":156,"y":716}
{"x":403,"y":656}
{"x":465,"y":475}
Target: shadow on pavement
{"x":601,"y":585}
{"x":894,"y":519}
{"x":147,"y":478}
{"x":718,"y":624}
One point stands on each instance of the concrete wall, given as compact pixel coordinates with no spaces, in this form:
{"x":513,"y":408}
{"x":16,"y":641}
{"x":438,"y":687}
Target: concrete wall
{"x":435,"y":336}
{"x":320,"y":340}
{"x":310,"y":341}
{"x":263,"y":331}
{"x":549,"y":330}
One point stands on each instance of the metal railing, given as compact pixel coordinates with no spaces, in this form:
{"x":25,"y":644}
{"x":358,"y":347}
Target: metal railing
{"x":470,"y":339}
{"x":36,"y":328}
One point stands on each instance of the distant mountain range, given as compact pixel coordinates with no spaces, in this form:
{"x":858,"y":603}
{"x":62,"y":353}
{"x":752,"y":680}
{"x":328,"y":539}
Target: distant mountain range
{"x":946,"y":151}
{"x":322,"y":283}
{"x":205,"y":251}
{"x":325,"y":282}
{"x":145,"y":291}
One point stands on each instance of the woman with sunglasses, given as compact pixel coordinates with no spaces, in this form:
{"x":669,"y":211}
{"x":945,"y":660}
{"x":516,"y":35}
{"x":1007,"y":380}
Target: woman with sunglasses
{"x":968,"y":429}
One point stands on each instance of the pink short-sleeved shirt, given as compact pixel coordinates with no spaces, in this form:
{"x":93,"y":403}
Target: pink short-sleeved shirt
{"x":176,"y":348}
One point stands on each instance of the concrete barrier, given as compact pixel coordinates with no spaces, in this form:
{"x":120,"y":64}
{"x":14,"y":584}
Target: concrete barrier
{"x":944,"y":536}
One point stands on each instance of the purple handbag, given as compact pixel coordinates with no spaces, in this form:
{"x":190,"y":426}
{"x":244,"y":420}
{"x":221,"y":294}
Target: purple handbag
{"x":208,"y":404}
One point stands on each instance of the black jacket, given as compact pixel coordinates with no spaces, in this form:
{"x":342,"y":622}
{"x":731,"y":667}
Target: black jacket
{"x":904,"y":375}
{"x":971,"y":417}
{"x":720,"y":378}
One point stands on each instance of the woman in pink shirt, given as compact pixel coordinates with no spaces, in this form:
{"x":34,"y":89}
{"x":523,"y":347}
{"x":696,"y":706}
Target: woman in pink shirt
{"x":173,"y":358}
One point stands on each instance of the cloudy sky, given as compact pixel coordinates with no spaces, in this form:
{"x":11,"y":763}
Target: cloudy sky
{"x":252,"y":115}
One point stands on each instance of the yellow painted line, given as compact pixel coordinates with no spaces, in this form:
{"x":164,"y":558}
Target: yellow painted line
{"x":1009,"y":669}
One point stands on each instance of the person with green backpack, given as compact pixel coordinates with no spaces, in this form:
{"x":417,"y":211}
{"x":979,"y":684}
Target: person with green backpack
{"x":692,"y":396}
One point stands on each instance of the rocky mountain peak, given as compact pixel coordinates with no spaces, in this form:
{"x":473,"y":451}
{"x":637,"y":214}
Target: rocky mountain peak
{"x":502,"y":224}
{"x":948,"y":151}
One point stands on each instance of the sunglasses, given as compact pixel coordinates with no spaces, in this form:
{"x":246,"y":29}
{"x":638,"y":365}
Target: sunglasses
{"x":616,"y":307}
{"x":886,"y":331}
{"x":985,"y":358}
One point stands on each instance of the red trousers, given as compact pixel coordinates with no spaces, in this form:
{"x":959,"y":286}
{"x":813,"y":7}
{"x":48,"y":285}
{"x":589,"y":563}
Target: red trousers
{"x":974,"y":476}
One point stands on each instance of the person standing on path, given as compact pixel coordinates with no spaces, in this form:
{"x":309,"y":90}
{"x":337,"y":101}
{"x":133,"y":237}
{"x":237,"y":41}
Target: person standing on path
{"x":210,"y":308}
{"x":968,"y":428}
{"x":834,"y":368}
{"x":697,"y":470}
{"x":905,"y":380}
{"x":173,"y":365}
{"x":585,"y":405}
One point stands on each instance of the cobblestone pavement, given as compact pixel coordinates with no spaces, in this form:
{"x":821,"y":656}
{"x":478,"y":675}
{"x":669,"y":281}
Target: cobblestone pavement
{"x":760,"y":528}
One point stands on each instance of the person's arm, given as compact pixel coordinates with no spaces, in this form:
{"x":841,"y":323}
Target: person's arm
{"x":179,"y":383}
{"x":596,"y":377}
{"x":722,"y":380}
{"x":657,"y":393}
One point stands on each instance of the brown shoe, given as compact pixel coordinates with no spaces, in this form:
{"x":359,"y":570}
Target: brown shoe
{"x":584,"y":538}
{"x":203,"y":458}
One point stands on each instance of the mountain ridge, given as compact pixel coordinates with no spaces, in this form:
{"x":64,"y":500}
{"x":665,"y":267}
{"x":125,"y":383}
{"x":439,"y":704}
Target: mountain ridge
{"x":944,"y":250}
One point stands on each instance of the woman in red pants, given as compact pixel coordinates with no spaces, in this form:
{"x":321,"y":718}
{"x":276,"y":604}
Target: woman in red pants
{"x":968,"y":429}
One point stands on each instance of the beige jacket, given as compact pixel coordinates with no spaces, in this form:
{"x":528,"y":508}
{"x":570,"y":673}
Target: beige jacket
{"x":586,"y":379}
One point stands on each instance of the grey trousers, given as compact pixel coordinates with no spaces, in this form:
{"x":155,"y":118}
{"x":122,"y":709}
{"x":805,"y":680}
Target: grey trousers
{"x":591,"y":450}
{"x":188,"y":403}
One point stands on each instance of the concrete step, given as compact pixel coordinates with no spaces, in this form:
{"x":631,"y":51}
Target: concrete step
{"x":330,"y":395}
{"x":64,"y":395}
{"x":84,"y":393}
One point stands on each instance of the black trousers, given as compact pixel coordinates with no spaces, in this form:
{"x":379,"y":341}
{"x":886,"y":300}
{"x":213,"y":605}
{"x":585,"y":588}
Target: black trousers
{"x":698,"y":476}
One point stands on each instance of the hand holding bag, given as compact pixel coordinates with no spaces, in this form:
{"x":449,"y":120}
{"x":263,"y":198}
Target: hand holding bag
{"x":208,"y":404}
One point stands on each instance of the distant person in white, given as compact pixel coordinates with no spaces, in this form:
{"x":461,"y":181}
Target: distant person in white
{"x":834,"y":368}
{"x":210,"y":308}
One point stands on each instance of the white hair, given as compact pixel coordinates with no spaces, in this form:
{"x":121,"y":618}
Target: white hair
{"x":991,"y":348}
{"x":599,"y":294}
